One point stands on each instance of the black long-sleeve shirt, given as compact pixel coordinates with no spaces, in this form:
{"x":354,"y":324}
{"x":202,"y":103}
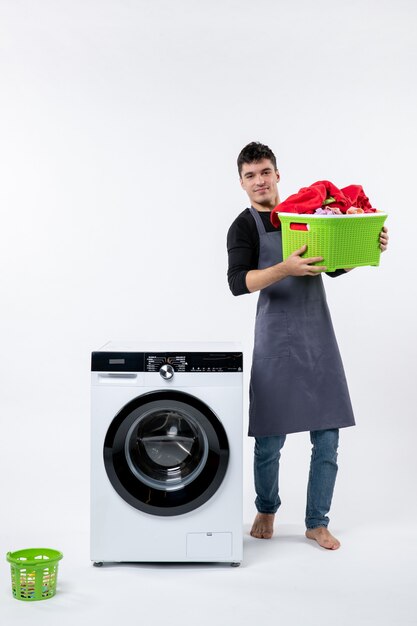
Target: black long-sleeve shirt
{"x":243,"y":249}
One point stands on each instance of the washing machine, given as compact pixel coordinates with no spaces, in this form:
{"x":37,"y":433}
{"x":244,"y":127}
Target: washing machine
{"x":166,"y":453}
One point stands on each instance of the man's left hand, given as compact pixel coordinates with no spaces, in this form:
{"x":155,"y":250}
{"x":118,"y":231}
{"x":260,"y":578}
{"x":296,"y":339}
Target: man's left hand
{"x":383,"y":239}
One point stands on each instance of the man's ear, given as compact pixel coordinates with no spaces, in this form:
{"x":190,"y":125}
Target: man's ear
{"x":278,"y":176}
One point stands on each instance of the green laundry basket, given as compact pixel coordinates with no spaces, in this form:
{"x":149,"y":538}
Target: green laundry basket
{"x":344,"y":241}
{"x":34,"y":573}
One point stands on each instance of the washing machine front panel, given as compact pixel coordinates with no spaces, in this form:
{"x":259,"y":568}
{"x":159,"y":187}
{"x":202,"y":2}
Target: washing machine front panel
{"x":166,"y":452}
{"x":141,"y":444}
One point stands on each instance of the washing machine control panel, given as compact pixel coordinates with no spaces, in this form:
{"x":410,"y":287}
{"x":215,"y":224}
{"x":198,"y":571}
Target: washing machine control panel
{"x":166,"y":363}
{"x":207,"y":362}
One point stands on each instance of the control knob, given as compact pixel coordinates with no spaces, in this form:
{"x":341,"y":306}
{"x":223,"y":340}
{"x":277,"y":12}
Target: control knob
{"x":166,"y":371}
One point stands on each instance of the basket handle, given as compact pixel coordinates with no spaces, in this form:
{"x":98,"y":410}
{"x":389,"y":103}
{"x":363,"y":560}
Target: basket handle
{"x":299,"y":226}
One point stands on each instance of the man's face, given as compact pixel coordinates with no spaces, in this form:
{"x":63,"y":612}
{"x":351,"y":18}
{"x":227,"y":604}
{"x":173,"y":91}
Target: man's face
{"x":259,"y":180}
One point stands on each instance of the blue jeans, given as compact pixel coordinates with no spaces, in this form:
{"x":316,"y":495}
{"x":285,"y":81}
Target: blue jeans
{"x":321,"y":480}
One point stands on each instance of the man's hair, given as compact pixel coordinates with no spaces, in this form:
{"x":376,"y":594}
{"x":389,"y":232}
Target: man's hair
{"x":253,"y":153}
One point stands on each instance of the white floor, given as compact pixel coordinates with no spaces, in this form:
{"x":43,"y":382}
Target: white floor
{"x":287,"y":581}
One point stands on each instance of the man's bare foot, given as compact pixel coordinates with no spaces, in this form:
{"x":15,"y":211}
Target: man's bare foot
{"x":323,"y":537}
{"x":263,"y":526}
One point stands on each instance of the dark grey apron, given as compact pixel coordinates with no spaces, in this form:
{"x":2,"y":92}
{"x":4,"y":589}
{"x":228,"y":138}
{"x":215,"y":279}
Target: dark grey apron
{"x":297,"y":380}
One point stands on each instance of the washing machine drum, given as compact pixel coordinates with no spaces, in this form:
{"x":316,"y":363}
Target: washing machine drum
{"x":166,"y":453}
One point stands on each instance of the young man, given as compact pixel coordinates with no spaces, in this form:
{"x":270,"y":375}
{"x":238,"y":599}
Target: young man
{"x":297,"y":379}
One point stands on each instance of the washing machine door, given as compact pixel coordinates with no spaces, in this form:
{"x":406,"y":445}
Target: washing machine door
{"x":166,"y":453}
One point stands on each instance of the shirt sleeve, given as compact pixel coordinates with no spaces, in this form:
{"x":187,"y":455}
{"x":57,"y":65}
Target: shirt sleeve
{"x":243,"y":254}
{"x":336,"y":273}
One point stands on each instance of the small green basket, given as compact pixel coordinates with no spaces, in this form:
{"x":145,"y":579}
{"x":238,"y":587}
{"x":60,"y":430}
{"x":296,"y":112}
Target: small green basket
{"x":34,"y":573}
{"x":344,"y":241}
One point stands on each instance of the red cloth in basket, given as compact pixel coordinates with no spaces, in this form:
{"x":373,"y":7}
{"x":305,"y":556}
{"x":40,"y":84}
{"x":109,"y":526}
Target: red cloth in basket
{"x":308,"y":199}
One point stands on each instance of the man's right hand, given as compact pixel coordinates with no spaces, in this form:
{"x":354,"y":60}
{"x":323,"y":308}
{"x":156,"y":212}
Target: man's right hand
{"x":295,"y":265}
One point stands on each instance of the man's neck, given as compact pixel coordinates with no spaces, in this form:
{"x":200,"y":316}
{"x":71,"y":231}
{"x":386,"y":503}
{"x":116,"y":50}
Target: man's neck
{"x":265,"y":208}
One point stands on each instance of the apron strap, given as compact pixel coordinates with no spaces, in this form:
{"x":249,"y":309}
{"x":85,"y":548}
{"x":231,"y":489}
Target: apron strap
{"x":258,"y":221}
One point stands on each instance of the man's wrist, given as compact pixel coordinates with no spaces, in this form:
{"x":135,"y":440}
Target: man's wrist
{"x":281,"y":270}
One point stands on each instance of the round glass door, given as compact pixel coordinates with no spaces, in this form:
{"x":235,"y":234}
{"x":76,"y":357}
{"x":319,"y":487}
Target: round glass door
{"x":166,"y":449}
{"x":166,"y":453}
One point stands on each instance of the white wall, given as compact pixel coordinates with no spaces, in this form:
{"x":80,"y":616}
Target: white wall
{"x":120,"y":124}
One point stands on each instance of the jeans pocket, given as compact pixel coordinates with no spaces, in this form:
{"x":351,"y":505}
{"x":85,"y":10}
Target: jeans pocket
{"x":271,"y":336}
